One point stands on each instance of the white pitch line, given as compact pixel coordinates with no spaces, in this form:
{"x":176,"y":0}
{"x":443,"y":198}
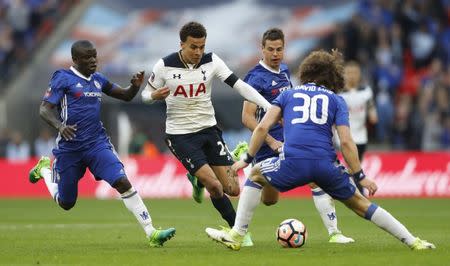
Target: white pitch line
{"x":61,"y":226}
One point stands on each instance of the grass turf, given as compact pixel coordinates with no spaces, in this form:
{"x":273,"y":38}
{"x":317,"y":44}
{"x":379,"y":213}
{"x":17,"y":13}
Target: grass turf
{"x":99,"y":232}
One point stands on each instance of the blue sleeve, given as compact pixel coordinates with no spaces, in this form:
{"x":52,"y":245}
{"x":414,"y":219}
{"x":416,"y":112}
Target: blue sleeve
{"x":254,"y":81}
{"x":104,"y":83}
{"x":56,"y":88}
{"x":280,"y":100}
{"x":341,"y":112}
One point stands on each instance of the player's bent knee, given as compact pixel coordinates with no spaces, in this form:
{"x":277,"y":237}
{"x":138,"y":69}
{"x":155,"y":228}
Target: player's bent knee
{"x":233,"y":191}
{"x":122,"y":185}
{"x":269,"y":202}
{"x":215,"y":190}
{"x":67,"y":205}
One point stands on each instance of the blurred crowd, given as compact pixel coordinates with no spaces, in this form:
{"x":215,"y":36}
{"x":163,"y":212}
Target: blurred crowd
{"x":23,"y":25}
{"x":403,"y":47}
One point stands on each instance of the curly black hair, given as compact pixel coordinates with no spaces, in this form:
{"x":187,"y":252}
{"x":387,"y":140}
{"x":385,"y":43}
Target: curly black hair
{"x":193,"y":29}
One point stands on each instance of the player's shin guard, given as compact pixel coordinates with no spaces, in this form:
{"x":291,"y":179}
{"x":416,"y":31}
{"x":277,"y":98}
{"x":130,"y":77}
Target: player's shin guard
{"x":387,"y":222}
{"x":325,"y":206}
{"x":134,"y":203}
{"x":248,"y":201}
{"x":225,"y":208}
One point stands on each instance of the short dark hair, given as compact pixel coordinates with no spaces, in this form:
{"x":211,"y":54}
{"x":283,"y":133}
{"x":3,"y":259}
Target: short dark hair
{"x":193,"y":29}
{"x":272,"y":34}
{"x":324,"y":69}
{"x":79,"y":45}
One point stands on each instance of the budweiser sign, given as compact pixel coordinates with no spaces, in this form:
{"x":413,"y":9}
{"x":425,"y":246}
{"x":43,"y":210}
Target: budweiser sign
{"x":398,"y":174}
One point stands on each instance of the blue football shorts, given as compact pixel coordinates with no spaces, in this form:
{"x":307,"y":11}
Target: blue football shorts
{"x":289,"y":173}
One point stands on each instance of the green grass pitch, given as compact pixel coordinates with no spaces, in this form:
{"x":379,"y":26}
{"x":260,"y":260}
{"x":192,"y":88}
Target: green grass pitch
{"x":103,"y":232}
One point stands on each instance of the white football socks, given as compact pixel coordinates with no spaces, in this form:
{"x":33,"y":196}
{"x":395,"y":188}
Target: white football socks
{"x":134,"y":203}
{"x":387,"y":222}
{"x":52,"y":187}
{"x":325,"y":206}
{"x":248,"y":201}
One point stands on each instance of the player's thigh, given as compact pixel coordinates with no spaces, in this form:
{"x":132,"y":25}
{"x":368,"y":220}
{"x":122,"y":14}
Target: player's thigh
{"x":269,"y":195}
{"x":208,"y":178}
{"x":105,"y":164}
{"x":216,"y":150}
{"x":187,"y":148}
{"x":67,"y":179}
{"x":331,"y":178}
{"x":227,"y":178}
{"x":283,"y":174}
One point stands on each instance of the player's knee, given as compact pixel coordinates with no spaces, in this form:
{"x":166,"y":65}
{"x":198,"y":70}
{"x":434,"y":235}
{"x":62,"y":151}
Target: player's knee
{"x":269,"y":202}
{"x":233,"y":191}
{"x":122,"y":185}
{"x":215,"y":190}
{"x":67,"y":205}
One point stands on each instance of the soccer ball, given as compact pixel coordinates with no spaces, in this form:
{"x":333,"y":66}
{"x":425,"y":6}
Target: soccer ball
{"x":291,"y":233}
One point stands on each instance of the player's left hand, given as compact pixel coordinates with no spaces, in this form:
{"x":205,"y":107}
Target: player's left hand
{"x":137,"y":79}
{"x":370,"y":185}
{"x":238,"y":165}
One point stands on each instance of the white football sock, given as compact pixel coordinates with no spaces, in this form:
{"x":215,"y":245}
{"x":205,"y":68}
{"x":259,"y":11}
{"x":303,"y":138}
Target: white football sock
{"x":134,"y":203}
{"x":52,"y":187}
{"x":325,"y":206}
{"x":248,"y":201}
{"x":387,"y":222}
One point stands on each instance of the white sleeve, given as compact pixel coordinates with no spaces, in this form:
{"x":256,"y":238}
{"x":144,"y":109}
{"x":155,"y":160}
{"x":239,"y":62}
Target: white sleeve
{"x":147,"y":94}
{"x":221,"y":70}
{"x":156,"y":80}
{"x":249,"y":93}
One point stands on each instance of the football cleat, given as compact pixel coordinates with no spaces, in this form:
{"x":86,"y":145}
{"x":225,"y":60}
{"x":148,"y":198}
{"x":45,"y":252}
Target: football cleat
{"x":239,"y":150}
{"x":246,"y":242}
{"x":420,"y":244}
{"x":35,"y":172}
{"x":198,"y":190}
{"x":159,"y":236}
{"x":230,"y":239}
{"x":339,"y":238}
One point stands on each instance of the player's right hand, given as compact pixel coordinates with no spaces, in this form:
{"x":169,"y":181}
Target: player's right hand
{"x":161,"y":93}
{"x":67,"y":131}
{"x":276,"y":146}
{"x":370,"y":185}
{"x":238,"y":165}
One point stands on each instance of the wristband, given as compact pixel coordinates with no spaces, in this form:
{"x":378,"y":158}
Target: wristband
{"x":248,"y":158}
{"x":358,"y":176}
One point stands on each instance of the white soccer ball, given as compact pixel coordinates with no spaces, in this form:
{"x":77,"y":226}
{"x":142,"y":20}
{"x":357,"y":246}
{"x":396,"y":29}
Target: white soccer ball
{"x":291,"y":233}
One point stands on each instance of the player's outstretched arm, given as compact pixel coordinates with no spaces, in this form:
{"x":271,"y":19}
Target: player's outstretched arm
{"x":128,"y":93}
{"x":48,"y":113}
{"x":250,"y":122}
{"x":350,"y":153}
{"x":272,"y":117}
{"x":249,"y":93}
{"x":151,"y":94}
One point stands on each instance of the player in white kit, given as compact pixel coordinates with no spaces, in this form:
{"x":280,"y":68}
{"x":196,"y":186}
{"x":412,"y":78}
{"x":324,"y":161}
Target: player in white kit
{"x":361,"y":107}
{"x":184,"y":80}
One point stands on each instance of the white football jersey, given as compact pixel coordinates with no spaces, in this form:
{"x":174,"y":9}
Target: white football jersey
{"x":357,"y":103}
{"x":189,"y":106}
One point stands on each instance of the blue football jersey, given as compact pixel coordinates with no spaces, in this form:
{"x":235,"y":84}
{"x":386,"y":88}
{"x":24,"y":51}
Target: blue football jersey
{"x":309,"y":112}
{"x":269,"y":84}
{"x":78,"y":99}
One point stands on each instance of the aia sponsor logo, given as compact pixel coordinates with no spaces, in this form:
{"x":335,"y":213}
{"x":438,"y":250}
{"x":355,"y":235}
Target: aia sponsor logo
{"x":191,"y":90}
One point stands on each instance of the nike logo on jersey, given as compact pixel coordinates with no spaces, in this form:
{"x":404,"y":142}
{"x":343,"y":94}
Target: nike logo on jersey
{"x":274,"y":83}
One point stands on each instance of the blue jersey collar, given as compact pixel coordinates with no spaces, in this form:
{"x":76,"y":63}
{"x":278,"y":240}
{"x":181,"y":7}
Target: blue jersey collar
{"x":76,"y":72}
{"x":261,"y":62}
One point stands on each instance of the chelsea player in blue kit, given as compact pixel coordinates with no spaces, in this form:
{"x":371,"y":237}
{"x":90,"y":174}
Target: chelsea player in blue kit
{"x":309,"y":111}
{"x":270,"y":77}
{"x":82,"y":141}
